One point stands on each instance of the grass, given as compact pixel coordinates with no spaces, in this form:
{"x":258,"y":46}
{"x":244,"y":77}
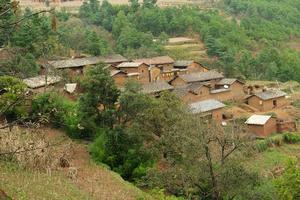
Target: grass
{"x":24,"y":184}
{"x":273,"y":157}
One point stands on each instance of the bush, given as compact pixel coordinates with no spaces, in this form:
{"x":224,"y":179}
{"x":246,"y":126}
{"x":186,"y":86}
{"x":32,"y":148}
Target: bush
{"x":117,"y":149}
{"x":291,"y":138}
{"x":276,"y":140}
{"x":12,"y":101}
{"x":57,"y":110}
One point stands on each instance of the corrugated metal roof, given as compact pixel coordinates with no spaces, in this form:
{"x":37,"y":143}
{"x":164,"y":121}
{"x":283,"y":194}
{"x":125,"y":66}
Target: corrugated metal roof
{"x":40,"y":81}
{"x":158,"y":86}
{"x":156,"y":60}
{"x":201,"y":76}
{"x":206,"y":105}
{"x":78,"y":62}
{"x":258,"y":119}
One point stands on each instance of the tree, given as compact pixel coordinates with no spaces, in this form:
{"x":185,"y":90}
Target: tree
{"x":89,"y":10}
{"x":287,"y":185}
{"x":120,"y":22}
{"x":98,"y":103}
{"x":19,"y":64}
{"x":201,"y":160}
{"x":122,"y":147}
{"x":13,"y":96}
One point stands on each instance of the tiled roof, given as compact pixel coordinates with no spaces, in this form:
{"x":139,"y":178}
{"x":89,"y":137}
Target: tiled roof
{"x":219,"y":91}
{"x":40,"y":81}
{"x":78,"y":62}
{"x":183,"y":63}
{"x":114,"y":72}
{"x":180,"y":91}
{"x":228,"y":81}
{"x":156,"y":60}
{"x":201,"y":76}
{"x":270,"y":94}
{"x":158,"y":86}
{"x":258,"y":119}
{"x":206,"y":105}
{"x":129,"y":64}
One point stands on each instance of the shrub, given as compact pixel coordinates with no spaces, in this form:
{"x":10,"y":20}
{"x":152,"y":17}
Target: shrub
{"x":59,"y":111}
{"x":12,"y":101}
{"x":276,"y":140}
{"x":291,"y":138}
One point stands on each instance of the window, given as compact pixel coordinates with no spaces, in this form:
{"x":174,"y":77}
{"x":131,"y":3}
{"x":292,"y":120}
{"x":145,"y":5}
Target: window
{"x":274,"y":103}
{"x":260,"y":102}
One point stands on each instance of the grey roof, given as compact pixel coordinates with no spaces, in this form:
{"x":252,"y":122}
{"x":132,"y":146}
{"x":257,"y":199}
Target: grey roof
{"x":40,"y":81}
{"x":183,"y":63}
{"x":206,"y":105}
{"x":129,"y":64}
{"x":269,"y":94}
{"x":114,"y":72}
{"x":219,"y":91}
{"x":180,"y":91}
{"x":228,"y":81}
{"x":201,"y":76}
{"x":158,"y":86}
{"x":79,"y":62}
{"x":156,"y":60}
{"x":258,"y":119}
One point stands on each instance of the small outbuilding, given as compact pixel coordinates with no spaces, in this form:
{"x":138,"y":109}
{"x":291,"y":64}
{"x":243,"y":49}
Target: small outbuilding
{"x":155,"y":88}
{"x":267,"y":100}
{"x":193,"y":92}
{"x":190,"y":65}
{"x":236,"y":87}
{"x":119,"y":77}
{"x":210,"y":108}
{"x":39,"y":82}
{"x":212,"y":77}
{"x":141,"y":69}
{"x":262,"y":125}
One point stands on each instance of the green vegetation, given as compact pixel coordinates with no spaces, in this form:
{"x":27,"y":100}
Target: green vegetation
{"x":12,"y":91}
{"x":155,"y":142}
{"x":27,"y":184}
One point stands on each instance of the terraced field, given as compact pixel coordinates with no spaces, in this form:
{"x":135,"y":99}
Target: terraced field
{"x":186,"y":48}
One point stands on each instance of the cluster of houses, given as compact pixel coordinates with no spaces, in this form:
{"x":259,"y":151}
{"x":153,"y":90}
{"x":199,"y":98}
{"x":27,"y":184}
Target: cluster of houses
{"x":205,"y":91}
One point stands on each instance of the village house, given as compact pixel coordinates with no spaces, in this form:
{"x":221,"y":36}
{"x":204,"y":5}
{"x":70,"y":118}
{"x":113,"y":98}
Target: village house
{"x":190,"y":65}
{"x":210,"y":108}
{"x":261,"y":125}
{"x":155,"y":88}
{"x":267,"y":100}
{"x":141,"y":70}
{"x":37,"y":84}
{"x":210,"y":77}
{"x":235,"y":86}
{"x":77,"y":66}
{"x":192,"y":92}
{"x":119,"y":77}
{"x":164,"y":63}
{"x":221,"y":94}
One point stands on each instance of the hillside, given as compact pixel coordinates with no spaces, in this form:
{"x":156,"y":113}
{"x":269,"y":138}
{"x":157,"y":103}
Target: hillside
{"x":150,"y":100}
{"x":82,"y":180}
